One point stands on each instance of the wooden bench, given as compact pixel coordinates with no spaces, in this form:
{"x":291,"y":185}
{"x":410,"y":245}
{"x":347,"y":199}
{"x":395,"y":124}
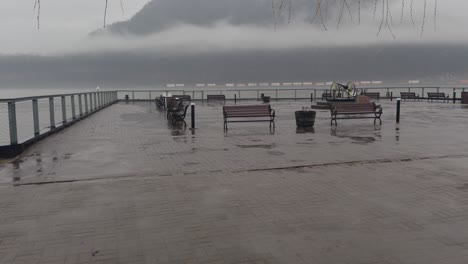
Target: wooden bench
{"x":179,"y":115}
{"x":355,"y":111}
{"x":372,"y":95}
{"x":216,"y":97}
{"x":437,"y":96}
{"x":248,"y":113}
{"x":409,"y":95}
{"x":326,"y":95}
{"x":184,"y":97}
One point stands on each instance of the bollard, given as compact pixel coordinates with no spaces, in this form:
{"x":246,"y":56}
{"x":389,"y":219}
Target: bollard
{"x":398,"y":110}
{"x":391,"y":96}
{"x":454,"y":96}
{"x":235,"y":98}
{"x":192,"y":111}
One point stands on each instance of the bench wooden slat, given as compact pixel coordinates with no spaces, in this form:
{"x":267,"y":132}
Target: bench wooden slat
{"x":248,"y":111}
{"x":353,"y":109}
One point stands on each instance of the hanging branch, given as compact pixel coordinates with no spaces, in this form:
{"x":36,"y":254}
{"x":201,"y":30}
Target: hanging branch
{"x":349,"y":10}
{"x":37,"y":6}
{"x":424,"y":18}
{"x":359,"y":12}
{"x":389,"y":14}
{"x":274,"y":15}
{"x":341,"y":14}
{"x":411,"y":12}
{"x":402,"y":11}
{"x":105,"y":14}
{"x":319,"y":2}
{"x":375,"y":8}
{"x":321,"y":18}
{"x":290,"y":10}
{"x":382,"y":20}
{"x":121,"y":6}
{"x":435,"y":15}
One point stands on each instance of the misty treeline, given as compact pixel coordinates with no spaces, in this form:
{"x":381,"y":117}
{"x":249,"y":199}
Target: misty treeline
{"x":327,"y":13}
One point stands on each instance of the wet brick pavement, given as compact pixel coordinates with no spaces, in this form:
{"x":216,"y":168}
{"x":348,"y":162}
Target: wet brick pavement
{"x":125,"y":187}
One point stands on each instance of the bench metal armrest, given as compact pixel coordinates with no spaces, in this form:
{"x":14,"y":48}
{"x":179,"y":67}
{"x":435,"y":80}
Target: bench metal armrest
{"x":272,"y":112}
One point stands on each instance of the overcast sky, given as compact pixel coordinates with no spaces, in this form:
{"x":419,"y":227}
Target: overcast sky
{"x":65,"y":25}
{"x":62,"y":21}
{"x":172,"y":41}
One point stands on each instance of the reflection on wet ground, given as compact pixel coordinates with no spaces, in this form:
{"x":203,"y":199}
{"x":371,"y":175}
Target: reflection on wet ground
{"x":124,"y":186}
{"x":129,"y":138}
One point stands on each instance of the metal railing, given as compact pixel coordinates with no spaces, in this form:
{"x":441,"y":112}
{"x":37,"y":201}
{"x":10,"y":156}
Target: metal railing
{"x":278,"y":93}
{"x":28,"y":118}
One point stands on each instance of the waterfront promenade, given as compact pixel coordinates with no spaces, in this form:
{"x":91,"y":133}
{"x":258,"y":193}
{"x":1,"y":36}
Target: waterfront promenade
{"x":123,"y":186}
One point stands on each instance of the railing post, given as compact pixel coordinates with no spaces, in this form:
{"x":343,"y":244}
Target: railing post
{"x":454,"y":95}
{"x":150,"y":96}
{"x":64,"y":111}
{"x":315,"y":94}
{"x":239,"y":95}
{"x":295,"y":94}
{"x":95,"y":102}
{"x":86,"y":103}
{"x":73,"y":107}
{"x":276,"y":94}
{"x":258,"y":92}
{"x":35,"y":108}
{"x":133,"y":95}
{"x":422,"y":94}
{"x":52,"y":113}
{"x":80,"y":105}
{"x":203,"y":95}
{"x":12,"y":123}
{"x":438,"y":88}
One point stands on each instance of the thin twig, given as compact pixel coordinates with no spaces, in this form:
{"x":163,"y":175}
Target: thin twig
{"x":424,"y":18}
{"x":382,"y":20}
{"x":105,"y":14}
{"x":341,"y":14}
{"x":411,"y":12}
{"x":435,"y":15}
{"x":402,"y":11}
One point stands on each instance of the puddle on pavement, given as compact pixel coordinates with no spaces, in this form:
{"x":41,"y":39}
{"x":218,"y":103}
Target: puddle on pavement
{"x":464,"y":187}
{"x":276,"y":153}
{"x":362,"y":140}
{"x":260,"y":146}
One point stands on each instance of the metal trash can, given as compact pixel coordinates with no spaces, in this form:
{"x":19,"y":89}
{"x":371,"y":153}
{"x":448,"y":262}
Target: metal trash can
{"x":464,"y":98}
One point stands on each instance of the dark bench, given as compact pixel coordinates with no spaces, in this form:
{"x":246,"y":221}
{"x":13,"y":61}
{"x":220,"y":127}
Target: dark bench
{"x":409,"y":95}
{"x":215,"y":97}
{"x":326,"y":95}
{"x":178,"y":115}
{"x":437,"y":96}
{"x":372,"y":95}
{"x":160,"y":102}
{"x":184,"y":97}
{"x":355,"y":111}
{"x":248,"y":113}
